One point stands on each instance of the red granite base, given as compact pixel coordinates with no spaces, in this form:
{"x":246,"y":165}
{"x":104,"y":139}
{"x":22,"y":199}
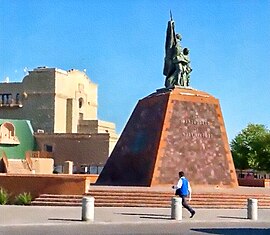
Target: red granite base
{"x":169,"y":131}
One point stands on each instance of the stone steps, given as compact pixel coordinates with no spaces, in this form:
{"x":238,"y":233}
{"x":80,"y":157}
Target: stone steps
{"x":148,"y":198}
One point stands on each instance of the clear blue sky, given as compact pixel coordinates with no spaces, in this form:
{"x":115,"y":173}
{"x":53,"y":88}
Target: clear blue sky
{"x":121,"y":45}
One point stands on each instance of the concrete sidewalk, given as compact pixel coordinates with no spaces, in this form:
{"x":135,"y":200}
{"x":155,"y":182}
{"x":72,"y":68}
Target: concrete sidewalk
{"x":33,"y":215}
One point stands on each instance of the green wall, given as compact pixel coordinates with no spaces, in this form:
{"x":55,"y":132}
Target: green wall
{"x":24,"y":132}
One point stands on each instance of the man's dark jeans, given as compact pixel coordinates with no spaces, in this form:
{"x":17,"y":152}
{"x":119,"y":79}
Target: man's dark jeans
{"x":184,"y":201}
{"x":185,"y":204}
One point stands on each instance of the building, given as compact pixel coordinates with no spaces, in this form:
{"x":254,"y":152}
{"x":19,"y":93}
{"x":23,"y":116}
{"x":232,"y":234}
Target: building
{"x":62,"y":108}
{"x":16,"y":138}
{"x":54,"y":99}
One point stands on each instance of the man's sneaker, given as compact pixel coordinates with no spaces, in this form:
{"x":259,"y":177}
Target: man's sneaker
{"x":192,"y":214}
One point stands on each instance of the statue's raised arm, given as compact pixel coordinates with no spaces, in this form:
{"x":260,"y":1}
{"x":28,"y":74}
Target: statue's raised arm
{"x":169,"y":45}
{"x":176,"y":64}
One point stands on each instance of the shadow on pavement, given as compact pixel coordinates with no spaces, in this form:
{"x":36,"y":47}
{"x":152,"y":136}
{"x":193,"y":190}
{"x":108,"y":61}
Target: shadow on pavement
{"x":233,"y":231}
{"x":59,"y":219}
{"x":232,"y":217}
{"x":147,"y":216}
{"x":155,"y":217}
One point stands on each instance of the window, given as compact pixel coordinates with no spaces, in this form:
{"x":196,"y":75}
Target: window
{"x":80,"y":102}
{"x":7,"y":134}
{"x":48,"y":148}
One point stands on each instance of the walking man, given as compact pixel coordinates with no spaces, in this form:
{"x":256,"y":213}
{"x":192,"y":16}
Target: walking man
{"x":183,"y":189}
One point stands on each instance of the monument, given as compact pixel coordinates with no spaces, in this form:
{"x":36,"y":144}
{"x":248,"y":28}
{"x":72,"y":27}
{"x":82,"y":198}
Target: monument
{"x":177,"y":64}
{"x":175,"y":128}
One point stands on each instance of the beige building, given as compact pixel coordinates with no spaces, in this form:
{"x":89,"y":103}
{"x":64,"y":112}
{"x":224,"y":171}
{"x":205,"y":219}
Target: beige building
{"x":62,"y":107}
{"x":54,"y":99}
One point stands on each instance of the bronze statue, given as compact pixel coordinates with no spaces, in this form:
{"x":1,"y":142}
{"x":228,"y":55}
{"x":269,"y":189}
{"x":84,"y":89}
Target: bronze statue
{"x":177,"y":64}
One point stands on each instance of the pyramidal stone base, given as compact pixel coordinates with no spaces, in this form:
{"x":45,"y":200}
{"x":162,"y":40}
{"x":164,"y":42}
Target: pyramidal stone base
{"x":169,"y":131}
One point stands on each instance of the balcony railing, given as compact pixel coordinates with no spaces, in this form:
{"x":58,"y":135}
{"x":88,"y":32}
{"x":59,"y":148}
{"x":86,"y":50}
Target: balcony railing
{"x":7,"y":100}
{"x":12,"y":105}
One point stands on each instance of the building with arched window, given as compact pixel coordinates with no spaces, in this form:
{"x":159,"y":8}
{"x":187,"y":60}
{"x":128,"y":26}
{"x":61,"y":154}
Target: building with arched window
{"x":7,"y":134}
{"x":62,"y":108}
{"x":53,"y":100}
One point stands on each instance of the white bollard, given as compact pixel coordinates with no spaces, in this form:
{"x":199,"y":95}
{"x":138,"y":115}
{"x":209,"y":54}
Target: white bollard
{"x":252,"y":209}
{"x":88,"y":209}
{"x":176,"y":208}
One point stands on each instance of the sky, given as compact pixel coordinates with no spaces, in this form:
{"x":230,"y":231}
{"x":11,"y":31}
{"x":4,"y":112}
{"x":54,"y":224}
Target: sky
{"x":121,"y":44}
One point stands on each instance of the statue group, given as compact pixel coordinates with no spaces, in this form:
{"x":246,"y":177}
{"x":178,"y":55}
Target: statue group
{"x":177,"y":64}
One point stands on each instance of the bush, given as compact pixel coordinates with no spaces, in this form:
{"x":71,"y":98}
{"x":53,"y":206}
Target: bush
{"x":4,"y":196}
{"x":23,"y":199}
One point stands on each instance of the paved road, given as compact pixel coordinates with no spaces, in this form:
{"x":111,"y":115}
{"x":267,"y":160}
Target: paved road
{"x":108,"y":221}
{"x":135,"y":229}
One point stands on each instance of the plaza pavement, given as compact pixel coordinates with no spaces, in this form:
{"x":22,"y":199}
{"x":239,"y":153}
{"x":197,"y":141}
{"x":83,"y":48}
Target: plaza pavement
{"x":36,"y":215}
{"x":32,"y":220}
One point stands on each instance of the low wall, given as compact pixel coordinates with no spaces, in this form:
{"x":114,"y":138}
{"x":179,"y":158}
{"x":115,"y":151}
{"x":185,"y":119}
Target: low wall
{"x":51,"y":184}
{"x":93,"y":178}
{"x":254,"y":182}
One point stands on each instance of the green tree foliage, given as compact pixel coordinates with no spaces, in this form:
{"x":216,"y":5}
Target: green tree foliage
{"x":251,"y":148}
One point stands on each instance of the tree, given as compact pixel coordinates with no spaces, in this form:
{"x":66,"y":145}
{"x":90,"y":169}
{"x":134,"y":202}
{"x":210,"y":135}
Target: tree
{"x":251,"y":148}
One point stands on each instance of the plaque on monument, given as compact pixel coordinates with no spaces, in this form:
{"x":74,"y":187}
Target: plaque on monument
{"x":175,"y":128}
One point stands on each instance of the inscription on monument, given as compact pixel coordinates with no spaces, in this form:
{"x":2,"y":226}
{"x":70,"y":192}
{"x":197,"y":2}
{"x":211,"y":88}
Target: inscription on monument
{"x":194,"y":140}
{"x":195,"y":122}
{"x":196,"y":127}
{"x":193,"y":130}
{"x":197,"y":134}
